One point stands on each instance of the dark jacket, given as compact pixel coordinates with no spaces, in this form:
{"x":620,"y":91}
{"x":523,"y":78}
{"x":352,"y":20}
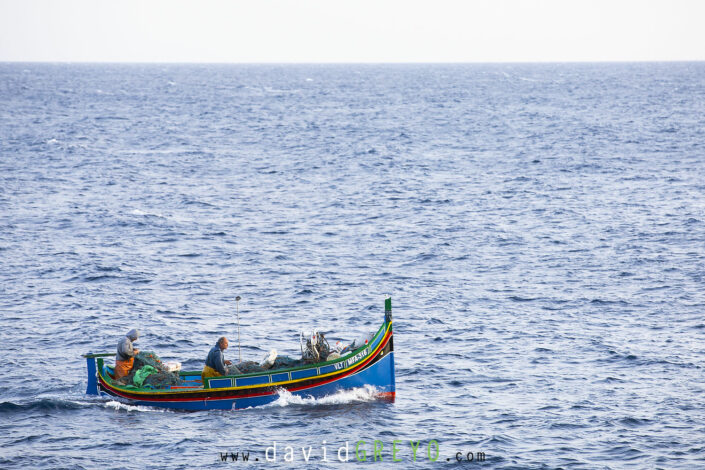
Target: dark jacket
{"x":216,"y":360}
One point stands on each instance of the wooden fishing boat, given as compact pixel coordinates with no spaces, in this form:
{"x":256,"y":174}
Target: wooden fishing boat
{"x":371,"y":364}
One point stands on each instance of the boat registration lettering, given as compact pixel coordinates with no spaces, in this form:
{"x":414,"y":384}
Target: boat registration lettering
{"x":352,"y":360}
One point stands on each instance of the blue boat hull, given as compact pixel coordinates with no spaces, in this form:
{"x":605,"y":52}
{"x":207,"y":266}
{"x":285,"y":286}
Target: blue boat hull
{"x":377,"y":376}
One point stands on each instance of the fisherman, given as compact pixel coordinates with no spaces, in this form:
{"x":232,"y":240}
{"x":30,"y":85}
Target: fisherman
{"x":125,"y":357}
{"x":215,"y":362}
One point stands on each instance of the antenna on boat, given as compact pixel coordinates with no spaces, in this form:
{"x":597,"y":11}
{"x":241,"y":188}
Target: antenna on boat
{"x":237,"y":307}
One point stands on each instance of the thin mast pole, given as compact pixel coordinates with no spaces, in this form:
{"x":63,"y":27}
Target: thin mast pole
{"x":237,"y":307}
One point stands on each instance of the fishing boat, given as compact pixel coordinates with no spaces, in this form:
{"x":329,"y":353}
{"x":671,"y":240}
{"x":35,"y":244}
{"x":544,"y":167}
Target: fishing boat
{"x":371,"y":364}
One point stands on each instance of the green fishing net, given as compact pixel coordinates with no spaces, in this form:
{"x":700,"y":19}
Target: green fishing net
{"x":159,"y":377}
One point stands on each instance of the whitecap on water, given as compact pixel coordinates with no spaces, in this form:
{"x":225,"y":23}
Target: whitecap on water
{"x":147,"y":214}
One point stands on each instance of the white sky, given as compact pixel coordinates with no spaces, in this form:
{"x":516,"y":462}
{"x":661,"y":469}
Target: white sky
{"x":351,"y":31}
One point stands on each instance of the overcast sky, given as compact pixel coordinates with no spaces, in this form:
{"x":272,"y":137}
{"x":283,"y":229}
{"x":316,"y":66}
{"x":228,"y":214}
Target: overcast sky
{"x":351,"y":31}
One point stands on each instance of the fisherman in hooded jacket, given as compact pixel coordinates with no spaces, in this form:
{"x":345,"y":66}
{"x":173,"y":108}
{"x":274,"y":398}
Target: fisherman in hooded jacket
{"x":125,"y":357}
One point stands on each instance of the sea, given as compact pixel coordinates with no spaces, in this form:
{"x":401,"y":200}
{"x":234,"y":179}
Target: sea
{"x":540,"y":229}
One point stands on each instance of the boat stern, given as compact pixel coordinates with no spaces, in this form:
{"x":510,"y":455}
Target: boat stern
{"x":92,"y":386}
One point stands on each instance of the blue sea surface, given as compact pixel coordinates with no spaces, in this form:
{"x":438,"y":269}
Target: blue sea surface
{"x":540,"y":228}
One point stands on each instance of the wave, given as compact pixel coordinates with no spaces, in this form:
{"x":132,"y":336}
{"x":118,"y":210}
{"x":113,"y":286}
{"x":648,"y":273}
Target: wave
{"x":43,"y":404}
{"x":68,"y":404}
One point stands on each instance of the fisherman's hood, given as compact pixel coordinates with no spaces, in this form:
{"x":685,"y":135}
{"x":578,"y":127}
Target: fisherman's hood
{"x":133,"y":334}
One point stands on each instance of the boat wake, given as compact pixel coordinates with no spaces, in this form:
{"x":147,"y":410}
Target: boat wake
{"x":356,"y":395}
{"x":118,"y":406}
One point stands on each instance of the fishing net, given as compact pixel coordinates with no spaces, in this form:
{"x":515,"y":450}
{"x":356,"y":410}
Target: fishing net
{"x":281,"y":362}
{"x":285,"y":362}
{"x":250,"y":367}
{"x":159,"y":379}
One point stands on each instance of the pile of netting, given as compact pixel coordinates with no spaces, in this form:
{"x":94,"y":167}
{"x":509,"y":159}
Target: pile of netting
{"x":249,"y":367}
{"x":150,"y":372}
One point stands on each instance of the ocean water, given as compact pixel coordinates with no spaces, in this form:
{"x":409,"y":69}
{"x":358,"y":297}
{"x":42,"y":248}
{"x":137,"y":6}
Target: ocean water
{"x":540,"y":228}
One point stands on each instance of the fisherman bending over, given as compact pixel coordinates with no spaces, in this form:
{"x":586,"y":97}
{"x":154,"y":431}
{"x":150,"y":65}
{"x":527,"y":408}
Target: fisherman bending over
{"x":215,"y":362}
{"x":125,"y":357}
